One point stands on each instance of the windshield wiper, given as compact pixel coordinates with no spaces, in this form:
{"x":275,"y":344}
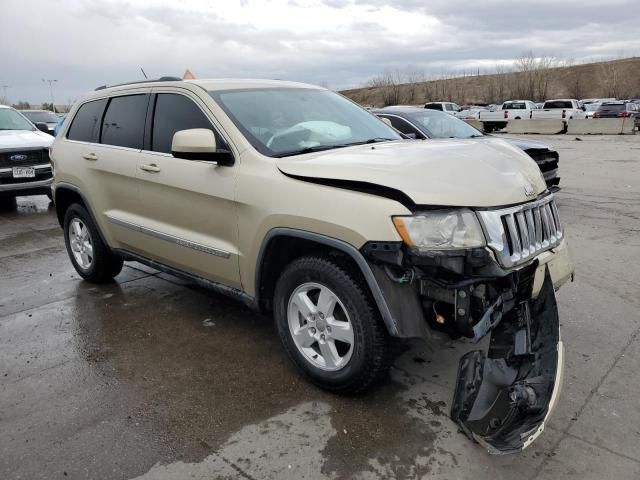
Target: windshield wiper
{"x":320,"y":148}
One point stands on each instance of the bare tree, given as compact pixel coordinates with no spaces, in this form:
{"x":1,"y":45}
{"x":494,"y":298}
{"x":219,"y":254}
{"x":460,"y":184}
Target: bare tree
{"x":389,"y":85}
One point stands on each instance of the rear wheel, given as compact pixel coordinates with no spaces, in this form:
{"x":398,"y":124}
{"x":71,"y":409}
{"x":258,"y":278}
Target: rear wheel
{"x":91,"y":258}
{"x":330,"y":327}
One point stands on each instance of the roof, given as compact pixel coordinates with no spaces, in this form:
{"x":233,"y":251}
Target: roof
{"x":239,"y":83}
{"x":211,"y":83}
{"x":405,"y":110}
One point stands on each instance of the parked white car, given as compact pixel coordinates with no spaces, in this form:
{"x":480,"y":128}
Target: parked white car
{"x":560,"y":109}
{"x":510,"y":110}
{"x":471,"y":113}
{"x":447,"y":107}
{"x":25,"y":168}
{"x":591,"y":108}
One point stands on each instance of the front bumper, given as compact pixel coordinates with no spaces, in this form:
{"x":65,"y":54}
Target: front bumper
{"x":504,"y":398}
{"x":40,"y":184}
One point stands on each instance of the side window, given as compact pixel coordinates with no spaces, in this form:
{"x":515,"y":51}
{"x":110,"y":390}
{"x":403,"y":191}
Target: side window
{"x":123,"y":123}
{"x":403,"y":126}
{"x":172,"y":113}
{"x":86,"y":123}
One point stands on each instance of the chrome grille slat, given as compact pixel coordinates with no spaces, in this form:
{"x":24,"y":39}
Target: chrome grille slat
{"x":517,"y":234}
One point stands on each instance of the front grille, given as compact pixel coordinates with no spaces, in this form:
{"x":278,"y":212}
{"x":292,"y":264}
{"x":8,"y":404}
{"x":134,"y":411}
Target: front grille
{"x":32,"y":157}
{"x":517,"y":234}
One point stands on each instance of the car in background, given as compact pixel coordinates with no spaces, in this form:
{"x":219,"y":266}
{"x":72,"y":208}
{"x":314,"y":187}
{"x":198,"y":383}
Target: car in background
{"x":423,"y":124}
{"x":447,"y":107}
{"x":560,"y":109}
{"x":56,"y":129}
{"x":470,"y":113}
{"x":539,"y":104}
{"x":42,"y":116}
{"x":619,"y":110}
{"x":509,"y":110}
{"x":590,"y":109}
{"x":25,"y":167}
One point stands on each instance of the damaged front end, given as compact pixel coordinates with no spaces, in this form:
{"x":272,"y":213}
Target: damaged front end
{"x":502,"y":396}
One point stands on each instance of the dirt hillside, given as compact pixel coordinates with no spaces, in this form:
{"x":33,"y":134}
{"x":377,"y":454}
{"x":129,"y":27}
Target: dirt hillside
{"x":616,"y":78}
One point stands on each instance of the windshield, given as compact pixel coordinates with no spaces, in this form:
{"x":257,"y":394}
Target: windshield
{"x":611,"y":107}
{"x":12,"y":120}
{"x":558,"y":104}
{"x":287,"y":121}
{"x":591,"y":107}
{"x":514,"y":106}
{"x":41,"y":117}
{"x":442,"y":125}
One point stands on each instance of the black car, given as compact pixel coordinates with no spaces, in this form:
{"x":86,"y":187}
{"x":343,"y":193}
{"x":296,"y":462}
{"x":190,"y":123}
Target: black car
{"x":421,"y":123}
{"x":619,"y":110}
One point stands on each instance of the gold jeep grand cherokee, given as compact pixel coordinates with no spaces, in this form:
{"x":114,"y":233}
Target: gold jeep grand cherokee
{"x":296,"y":201}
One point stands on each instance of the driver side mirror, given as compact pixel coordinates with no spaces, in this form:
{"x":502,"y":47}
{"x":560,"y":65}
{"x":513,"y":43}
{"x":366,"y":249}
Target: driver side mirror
{"x":199,"y":144}
{"x":42,"y":127}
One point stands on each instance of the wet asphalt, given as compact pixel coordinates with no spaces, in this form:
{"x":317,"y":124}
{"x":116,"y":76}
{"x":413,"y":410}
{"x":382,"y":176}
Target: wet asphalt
{"x":150,"y":377}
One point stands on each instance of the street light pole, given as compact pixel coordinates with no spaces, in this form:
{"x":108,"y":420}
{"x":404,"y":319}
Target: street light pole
{"x":51,"y":82}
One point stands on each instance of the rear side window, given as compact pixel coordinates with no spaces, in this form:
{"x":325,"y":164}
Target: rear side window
{"x":403,"y":126}
{"x":172,"y":113}
{"x":123,"y":123}
{"x":86,"y":123}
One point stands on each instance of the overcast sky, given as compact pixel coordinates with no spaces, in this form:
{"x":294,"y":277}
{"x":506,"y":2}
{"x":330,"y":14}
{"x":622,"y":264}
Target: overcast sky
{"x":340,"y":43}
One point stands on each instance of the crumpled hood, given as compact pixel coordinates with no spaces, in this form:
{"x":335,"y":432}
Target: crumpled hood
{"x":485,"y":172}
{"x":526,"y":144}
{"x":13,"y":139}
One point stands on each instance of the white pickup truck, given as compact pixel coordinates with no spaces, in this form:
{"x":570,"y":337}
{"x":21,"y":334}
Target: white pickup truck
{"x":560,"y":109}
{"x":510,"y":110}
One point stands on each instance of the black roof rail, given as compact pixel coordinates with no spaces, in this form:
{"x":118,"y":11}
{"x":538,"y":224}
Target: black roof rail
{"x":161,"y":79}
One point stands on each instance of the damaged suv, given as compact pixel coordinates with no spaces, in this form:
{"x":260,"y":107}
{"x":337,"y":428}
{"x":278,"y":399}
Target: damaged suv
{"x":296,"y":201}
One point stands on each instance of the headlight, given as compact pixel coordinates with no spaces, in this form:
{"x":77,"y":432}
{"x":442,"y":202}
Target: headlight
{"x":441,"y":230}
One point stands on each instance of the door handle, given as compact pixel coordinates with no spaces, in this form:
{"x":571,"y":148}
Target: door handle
{"x":90,"y":156}
{"x":151,"y":167}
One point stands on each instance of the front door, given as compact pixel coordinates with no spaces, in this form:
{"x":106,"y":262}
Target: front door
{"x":188,"y":212}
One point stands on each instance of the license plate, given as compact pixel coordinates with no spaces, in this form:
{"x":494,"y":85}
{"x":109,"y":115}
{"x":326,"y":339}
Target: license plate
{"x":24,"y":172}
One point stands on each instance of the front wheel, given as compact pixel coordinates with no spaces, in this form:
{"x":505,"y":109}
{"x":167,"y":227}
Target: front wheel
{"x":91,"y":258}
{"x":330,"y":326}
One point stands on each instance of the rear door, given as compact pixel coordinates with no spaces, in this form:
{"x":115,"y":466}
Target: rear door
{"x":102,"y":142}
{"x":188,"y":209}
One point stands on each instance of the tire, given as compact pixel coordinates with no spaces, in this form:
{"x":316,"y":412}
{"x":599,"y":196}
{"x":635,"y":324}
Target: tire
{"x":96,"y":264}
{"x":352,"y":367}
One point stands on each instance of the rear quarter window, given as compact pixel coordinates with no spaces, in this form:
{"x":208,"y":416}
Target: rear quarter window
{"x":86,"y":123}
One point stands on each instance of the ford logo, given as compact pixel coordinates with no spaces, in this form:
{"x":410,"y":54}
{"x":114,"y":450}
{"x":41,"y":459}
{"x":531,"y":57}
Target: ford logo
{"x":18,"y":158}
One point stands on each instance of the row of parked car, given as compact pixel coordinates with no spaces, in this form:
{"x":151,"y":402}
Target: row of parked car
{"x":495,"y":117}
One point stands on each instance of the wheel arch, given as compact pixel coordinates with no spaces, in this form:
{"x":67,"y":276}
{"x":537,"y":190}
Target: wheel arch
{"x":65,"y":195}
{"x":282,"y":245}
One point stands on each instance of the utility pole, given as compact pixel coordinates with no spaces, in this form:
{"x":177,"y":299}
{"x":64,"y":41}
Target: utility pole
{"x":51,"y":81}
{"x":4,"y":93}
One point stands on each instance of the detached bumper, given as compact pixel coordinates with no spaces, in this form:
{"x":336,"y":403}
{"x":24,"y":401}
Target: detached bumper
{"x":503,"y":398}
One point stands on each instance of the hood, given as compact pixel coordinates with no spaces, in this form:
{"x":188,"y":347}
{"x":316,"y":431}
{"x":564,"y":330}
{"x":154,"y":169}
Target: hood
{"x":24,"y":139}
{"x":526,"y":144}
{"x":485,"y":172}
